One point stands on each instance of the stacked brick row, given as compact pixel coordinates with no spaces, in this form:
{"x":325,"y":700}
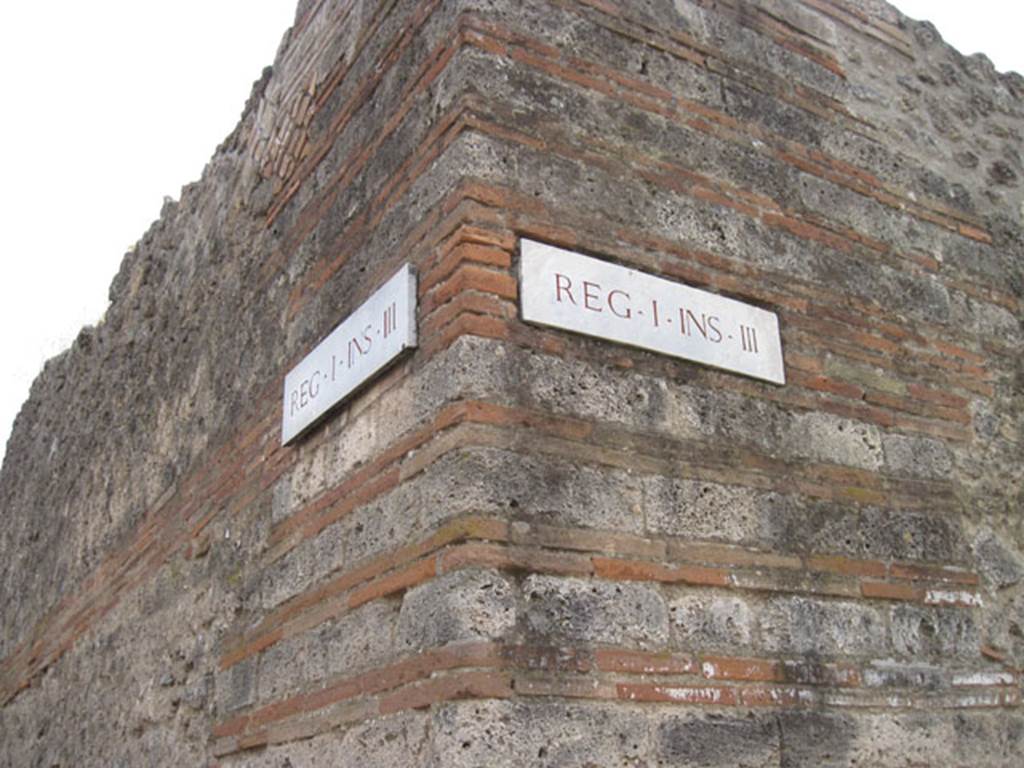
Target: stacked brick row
{"x":523,"y":547}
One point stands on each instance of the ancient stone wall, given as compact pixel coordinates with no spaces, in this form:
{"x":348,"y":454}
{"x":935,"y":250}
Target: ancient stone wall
{"x":520,"y":546}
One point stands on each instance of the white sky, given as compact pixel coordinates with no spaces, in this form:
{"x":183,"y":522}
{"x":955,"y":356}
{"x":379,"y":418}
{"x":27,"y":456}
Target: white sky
{"x":111,"y":105}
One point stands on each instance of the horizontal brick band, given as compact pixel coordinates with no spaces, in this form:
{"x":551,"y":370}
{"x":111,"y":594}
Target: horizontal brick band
{"x":495,"y":670}
{"x":494,"y":543}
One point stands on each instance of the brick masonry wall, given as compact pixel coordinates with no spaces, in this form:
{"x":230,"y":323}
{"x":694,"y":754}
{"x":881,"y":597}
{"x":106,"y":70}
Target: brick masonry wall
{"x":521,"y":547}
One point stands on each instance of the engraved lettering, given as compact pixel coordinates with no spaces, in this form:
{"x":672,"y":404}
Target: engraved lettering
{"x":748,"y":339}
{"x":357,"y":349}
{"x":390,"y":319}
{"x":713,"y":328}
{"x":566,"y":287}
{"x":625,"y":314}
{"x":701,"y":324}
{"x":354,"y":349}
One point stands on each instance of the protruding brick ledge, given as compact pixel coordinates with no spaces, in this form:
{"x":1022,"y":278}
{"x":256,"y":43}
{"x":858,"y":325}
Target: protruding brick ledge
{"x":495,"y":543}
{"x":497,"y":670}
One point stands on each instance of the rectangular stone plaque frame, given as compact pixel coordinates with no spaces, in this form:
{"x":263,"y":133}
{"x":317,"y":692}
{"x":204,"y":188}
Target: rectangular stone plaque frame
{"x":564,"y":289}
{"x":366,"y":342}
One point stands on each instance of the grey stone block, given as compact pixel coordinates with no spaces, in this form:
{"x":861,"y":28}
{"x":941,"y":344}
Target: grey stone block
{"x":376,"y":528}
{"x":863,"y":532}
{"x":286,"y":668}
{"x":237,"y":687}
{"x":281,"y":504}
{"x":897,"y":739}
{"x":289,"y":575}
{"x":536,"y":488}
{"x":1004,"y":627}
{"x":917,"y":456}
{"x":701,"y":621}
{"x":937,"y":632}
{"x":999,"y":565}
{"x":816,"y":740}
{"x":828,"y":438}
{"x":987,"y":740}
{"x":912,"y":536}
{"x":397,"y":741}
{"x":563,"y":609}
{"x":539,"y":734}
{"x":465,"y":605}
{"x":356,"y":641}
{"x":801,"y":625}
{"x":714,"y":740}
{"x":704,"y":510}
{"x":609,"y":395}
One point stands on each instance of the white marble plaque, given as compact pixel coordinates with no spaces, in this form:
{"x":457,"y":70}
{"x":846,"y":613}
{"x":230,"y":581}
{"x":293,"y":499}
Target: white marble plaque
{"x":364,"y":344}
{"x":568,"y":290}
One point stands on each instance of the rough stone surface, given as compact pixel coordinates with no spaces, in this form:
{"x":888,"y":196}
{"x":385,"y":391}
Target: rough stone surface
{"x":543,"y":734}
{"x":933,"y":632}
{"x":466,"y":605}
{"x":575,"y":609}
{"x":711,"y":622}
{"x":519,"y":546}
{"x":820,"y":627}
{"x":1001,"y":567}
{"x":715,"y":741}
{"x":921,"y":457}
